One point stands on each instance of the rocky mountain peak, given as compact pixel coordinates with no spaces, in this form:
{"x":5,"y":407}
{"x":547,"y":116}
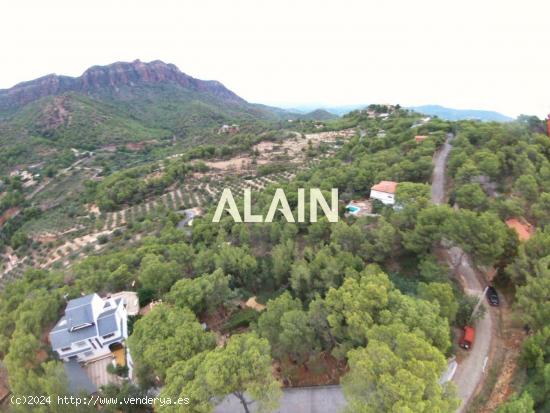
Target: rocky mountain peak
{"x":111,"y":77}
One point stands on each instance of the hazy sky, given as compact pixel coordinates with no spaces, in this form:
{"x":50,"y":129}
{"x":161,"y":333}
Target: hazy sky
{"x":484,"y":54}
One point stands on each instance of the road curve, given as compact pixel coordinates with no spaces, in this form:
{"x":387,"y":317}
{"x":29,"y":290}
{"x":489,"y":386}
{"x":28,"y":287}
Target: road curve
{"x":471,"y":370}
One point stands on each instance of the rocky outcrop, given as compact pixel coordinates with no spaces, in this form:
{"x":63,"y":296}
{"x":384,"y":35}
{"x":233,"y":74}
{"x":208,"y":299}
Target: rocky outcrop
{"x":111,"y":77}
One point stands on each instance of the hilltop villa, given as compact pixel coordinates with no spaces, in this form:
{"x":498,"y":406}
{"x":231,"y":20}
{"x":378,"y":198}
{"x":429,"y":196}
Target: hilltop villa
{"x":384,"y":191}
{"x":91,"y":328}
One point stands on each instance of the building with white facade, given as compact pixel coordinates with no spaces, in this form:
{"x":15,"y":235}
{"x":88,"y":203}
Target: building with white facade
{"x":384,"y":191}
{"x":91,"y":328}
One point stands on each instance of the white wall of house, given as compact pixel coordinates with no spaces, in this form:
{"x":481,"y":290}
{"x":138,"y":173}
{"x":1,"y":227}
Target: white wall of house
{"x":122,"y":317}
{"x":385,"y":197}
{"x":88,"y":349}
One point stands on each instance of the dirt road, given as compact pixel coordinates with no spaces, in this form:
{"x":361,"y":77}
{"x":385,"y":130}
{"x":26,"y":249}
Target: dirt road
{"x":472,"y":370}
{"x":438,"y":174}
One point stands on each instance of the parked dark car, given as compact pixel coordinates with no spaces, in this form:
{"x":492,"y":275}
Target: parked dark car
{"x":492,"y":296}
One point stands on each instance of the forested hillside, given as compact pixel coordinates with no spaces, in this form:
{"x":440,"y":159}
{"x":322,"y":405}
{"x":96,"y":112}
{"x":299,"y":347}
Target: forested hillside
{"x":109,"y":106}
{"x":366,"y":302}
{"x":505,"y":170}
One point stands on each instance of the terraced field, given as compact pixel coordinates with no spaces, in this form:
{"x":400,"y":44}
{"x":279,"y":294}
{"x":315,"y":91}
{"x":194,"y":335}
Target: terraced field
{"x":195,"y":194}
{"x":202,"y":194}
{"x":198,"y":192}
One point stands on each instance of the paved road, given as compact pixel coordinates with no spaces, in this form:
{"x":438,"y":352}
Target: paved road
{"x":470,"y":371}
{"x":322,"y":399}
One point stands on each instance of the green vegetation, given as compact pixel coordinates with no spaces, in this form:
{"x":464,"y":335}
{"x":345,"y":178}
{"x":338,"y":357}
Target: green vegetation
{"x":26,"y":308}
{"x":166,"y":335}
{"x":241,"y":368}
{"x":133,"y":185}
{"x":205,"y":293}
{"x":241,"y":319}
{"x":368,"y":292}
{"x":400,"y":371}
{"x":153,"y":116}
{"x":504,"y":170}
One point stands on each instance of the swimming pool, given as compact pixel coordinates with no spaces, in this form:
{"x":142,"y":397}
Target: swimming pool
{"x":353,"y":209}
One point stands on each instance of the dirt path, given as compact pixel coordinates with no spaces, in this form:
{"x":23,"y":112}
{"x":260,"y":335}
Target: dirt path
{"x":438,"y":175}
{"x":471,"y":371}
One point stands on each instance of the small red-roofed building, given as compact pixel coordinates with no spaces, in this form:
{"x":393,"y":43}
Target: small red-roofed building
{"x":384,"y":191}
{"x":420,"y":138}
{"x":524,"y":230}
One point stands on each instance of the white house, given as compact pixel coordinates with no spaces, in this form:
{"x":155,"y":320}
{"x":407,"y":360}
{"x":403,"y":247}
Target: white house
{"x":229,"y":129}
{"x":384,"y":191}
{"x":91,"y":328}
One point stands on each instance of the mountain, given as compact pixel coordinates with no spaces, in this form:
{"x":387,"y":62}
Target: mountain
{"x":118,"y":103}
{"x":113,"y":78}
{"x":458,"y":114}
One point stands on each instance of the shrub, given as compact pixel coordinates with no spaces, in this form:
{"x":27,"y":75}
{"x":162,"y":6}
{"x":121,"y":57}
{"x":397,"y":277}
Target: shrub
{"x":145,"y":296}
{"x":103,"y":239}
{"x":240,"y":319}
{"x":121,"y":371}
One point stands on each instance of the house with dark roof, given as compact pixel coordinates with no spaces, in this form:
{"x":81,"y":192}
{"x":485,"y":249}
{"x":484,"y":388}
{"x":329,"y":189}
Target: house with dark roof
{"x":91,"y":328}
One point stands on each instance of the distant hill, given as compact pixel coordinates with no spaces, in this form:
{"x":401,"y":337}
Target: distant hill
{"x":118,"y":103}
{"x":335,"y":110}
{"x":458,"y":114}
{"x":434,"y":110}
{"x":318,"y":114}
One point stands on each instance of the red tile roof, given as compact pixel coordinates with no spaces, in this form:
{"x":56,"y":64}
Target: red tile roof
{"x":420,"y":138}
{"x":524,"y":230}
{"x":385,"y":186}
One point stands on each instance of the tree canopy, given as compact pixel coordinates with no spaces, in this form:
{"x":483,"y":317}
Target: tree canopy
{"x":242,"y":368}
{"x":164,"y":336}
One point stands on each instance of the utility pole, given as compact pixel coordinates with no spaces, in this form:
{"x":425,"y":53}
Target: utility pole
{"x":476,"y":308}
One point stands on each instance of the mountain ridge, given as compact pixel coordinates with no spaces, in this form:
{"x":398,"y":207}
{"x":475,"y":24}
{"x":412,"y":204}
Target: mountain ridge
{"x":113,"y":76}
{"x":433,"y":110}
{"x":120,"y":103}
{"x":461,"y":114}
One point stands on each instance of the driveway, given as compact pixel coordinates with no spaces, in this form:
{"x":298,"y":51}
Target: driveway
{"x":470,"y":371}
